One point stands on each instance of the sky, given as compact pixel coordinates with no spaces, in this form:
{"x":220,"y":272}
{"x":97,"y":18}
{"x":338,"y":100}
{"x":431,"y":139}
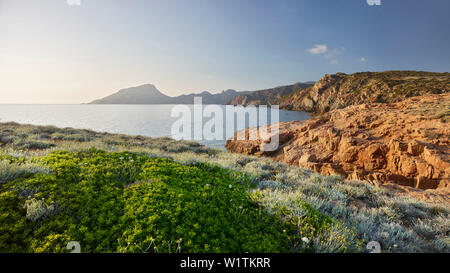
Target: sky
{"x":53,"y":52}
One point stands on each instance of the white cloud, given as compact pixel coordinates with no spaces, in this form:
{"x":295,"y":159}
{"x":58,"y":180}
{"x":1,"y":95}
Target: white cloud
{"x":329,"y":54}
{"x":318,"y":49}
{"x":363,"y":60}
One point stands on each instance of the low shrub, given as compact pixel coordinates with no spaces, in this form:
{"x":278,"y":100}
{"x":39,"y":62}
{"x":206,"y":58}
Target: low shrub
{"x":129,"y":202}
{"x":34,"y":145}
{"x":10,"y":171}
{"x":4,"y":139}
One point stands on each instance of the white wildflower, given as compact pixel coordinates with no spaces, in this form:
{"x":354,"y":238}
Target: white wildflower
{"x":305,"y":240}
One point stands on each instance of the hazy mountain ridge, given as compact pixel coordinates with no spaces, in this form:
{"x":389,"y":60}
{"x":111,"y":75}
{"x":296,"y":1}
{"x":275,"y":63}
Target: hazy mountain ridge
{"x":268,"y":96}
{"x":208,"y":98}
{"x":149,"y":94}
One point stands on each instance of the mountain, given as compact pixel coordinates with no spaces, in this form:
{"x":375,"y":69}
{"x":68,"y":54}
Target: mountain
{"x":208,"y":98}
{"x":341,"y":90}
{"x":267,"y":96}
{"x":149,"y":94}
{"x":144,"y":94}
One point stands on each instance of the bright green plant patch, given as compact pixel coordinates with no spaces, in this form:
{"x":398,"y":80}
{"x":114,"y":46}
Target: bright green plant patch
{"x":128,"y":202}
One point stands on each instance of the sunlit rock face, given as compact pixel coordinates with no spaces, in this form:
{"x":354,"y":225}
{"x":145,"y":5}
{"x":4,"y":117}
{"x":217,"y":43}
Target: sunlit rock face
{"x":403,"y":145}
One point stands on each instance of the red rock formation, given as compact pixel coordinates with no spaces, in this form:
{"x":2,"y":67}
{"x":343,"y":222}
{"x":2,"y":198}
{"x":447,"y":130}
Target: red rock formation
{"x":404,"y":144}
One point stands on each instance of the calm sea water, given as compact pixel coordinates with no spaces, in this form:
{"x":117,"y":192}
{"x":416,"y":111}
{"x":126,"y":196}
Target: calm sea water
{"x":146,"y":120}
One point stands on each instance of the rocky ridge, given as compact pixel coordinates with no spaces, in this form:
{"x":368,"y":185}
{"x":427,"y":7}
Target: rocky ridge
{"x":402,"y":145}
{"x":337,"y":91}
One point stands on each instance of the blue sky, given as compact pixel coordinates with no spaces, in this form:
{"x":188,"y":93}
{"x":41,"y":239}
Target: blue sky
{"x":51,"y":52}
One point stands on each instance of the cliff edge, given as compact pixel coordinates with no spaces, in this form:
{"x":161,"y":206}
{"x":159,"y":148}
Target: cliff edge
{"x":402,"y":145}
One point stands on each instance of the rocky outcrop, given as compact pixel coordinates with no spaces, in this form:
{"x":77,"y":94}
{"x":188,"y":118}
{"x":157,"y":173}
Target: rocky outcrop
{"x":403,"y":145}
{"x":340,"y":90}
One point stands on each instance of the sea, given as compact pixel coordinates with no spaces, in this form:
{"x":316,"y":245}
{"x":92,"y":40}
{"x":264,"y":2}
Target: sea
{"x":145,"y":120}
